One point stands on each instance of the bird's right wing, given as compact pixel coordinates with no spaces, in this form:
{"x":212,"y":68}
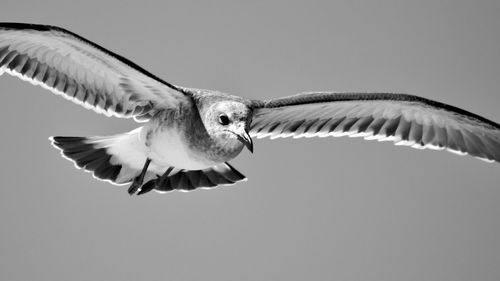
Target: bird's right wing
{"x":84,"y":72}
{"x":404,"y":119}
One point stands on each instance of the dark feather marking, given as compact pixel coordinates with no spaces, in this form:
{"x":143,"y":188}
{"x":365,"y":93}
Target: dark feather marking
{"x":262,"y":128}
{"x":403,"y":130}
{"x":292,"y":127}
{"x":119,"y":108}
{"x":57,"y":79}
{"x":8,"y":58}
{"x":61,"y":84}
{"x":97,"y":98}
{"x":39,"y":71}
{"x":87,"y":97}
{"x":363,"y":123}
{"x":108,"y":103}
{"x":70,"y":88}
{"x":48,"y":76}
{"x":391,"y":126}
{"x":77,"y":154}
{"x":73,"y":146}
{"x":3,"y":52}
{"x":14,"y":62}
{"x":236,"y":172}
{"x":86,"y":156}
{"x":309,"y":124}
{"x":147,"y":187}
{"x":229,"y":175}
{"x":52,"y":78}
{"x":18,"y":62}
{"x":75,"y":149}
{"x":442,"y":137}
{"x":273,"y":126}
{"x":79,"y":92}
{"x":33,"y":66}
{"x":376,"y":126}
{"x":70,"y":140}
{"x":429,"y":134}
{"x":346,"y":126}
{"x":28,"y":66}
{"x":335,"y":123}
{"x":320,"y":126}
{"x":415,"y":132}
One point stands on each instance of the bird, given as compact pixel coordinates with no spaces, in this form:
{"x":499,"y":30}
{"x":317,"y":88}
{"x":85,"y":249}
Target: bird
{"x":188,"y":136}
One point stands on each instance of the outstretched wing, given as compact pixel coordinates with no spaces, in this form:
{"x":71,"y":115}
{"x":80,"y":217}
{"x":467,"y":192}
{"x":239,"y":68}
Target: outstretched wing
{"x":404,"y":119}
{"x":83,"y":72}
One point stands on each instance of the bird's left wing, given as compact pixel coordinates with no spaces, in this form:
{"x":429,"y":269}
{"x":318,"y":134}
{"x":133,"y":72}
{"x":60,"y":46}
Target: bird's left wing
{"x":83,"y":72}
{"x":404,"y":119}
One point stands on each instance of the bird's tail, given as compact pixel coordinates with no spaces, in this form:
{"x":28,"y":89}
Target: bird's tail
{"x":117,"y":159}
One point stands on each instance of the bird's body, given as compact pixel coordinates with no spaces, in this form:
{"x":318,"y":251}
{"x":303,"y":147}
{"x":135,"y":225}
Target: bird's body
{"x":175,"y":139}
{"x":178,"y":138}
{"x":188,"y":135}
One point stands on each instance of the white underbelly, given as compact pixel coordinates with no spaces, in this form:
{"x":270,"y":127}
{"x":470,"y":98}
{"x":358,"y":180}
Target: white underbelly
{"x":168,"y":148}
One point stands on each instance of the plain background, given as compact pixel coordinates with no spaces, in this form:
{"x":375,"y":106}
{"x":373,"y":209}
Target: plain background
{"x":313,"y":209}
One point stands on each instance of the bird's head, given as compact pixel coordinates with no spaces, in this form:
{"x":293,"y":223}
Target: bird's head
{"x":228,"y":121}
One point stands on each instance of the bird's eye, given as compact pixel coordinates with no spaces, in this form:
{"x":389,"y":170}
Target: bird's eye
{"x":223,"y":119}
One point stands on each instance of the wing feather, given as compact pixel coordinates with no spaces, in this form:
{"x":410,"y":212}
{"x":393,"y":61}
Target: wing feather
{"x":83,"y":72}
{"x":404,"y":119}
{"x":222,"y":174}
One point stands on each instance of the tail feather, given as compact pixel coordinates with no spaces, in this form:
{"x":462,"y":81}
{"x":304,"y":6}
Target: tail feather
{"x":84,"y":153}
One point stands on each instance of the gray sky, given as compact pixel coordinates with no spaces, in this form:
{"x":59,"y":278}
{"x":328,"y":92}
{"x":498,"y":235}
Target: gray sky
{"x":313,"y":209}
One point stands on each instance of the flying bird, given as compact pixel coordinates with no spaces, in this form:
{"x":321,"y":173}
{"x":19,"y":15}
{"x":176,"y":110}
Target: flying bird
{"x":189,"y":135}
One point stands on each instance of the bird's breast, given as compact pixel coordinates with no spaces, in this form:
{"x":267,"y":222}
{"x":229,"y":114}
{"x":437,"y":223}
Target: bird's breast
{"x":170,"y":147}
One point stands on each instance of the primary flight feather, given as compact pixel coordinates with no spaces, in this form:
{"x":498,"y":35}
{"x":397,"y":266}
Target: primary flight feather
{"x":189,"y":134}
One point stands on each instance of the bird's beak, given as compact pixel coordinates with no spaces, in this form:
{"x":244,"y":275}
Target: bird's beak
{"x":245,"y":138}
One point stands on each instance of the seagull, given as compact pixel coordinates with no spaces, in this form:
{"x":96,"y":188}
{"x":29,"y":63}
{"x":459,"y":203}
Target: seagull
{"x":188,"y":135}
